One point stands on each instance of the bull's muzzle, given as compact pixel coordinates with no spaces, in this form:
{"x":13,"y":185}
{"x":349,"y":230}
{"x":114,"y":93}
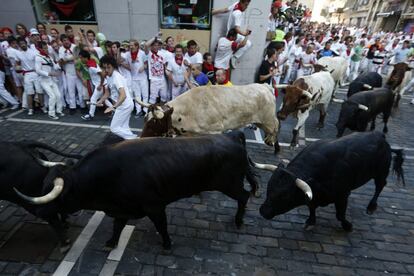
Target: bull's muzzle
{"x":266,"y":211}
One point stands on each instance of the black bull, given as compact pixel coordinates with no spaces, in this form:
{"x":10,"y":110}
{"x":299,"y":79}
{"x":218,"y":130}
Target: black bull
{"x":139,"y":178}
{"x":24,"y":167}
{"x":353,"y":115}
{"x":365,"y":82}
{"x":331,"y":169}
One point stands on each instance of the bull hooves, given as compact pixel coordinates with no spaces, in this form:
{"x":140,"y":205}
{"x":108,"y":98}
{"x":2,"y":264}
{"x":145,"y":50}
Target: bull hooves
{"x":309,"y":227}
{"x":166,"y":246}
{"x":370,"y":212}
{"x":109,"y":245}
{"x":320,"y":126}
{"x":347,"y":226}
{"x":65,"y":248}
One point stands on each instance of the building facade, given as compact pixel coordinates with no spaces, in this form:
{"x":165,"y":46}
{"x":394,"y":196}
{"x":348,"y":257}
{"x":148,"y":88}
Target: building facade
{"x":382,"y":15}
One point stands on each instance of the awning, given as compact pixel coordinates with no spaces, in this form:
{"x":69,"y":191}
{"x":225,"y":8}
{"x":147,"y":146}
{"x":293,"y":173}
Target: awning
{"x":385,"y":14}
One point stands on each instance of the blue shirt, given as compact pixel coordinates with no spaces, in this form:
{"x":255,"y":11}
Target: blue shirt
{"x":401,"y":55}
{"x":326,"y":53}
{"x":201,"y":79}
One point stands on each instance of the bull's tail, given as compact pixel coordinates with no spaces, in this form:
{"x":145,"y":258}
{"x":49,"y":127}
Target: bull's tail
{"x":34,"y":145}
{"x":398,"y":161}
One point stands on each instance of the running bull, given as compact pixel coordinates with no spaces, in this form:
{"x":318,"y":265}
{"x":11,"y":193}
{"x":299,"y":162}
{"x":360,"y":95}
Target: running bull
{"x":23,"y":166}
{"x":305,"y":94}
{"x":362,"y":108}
{"x":365,"y":82}
{"x":337,"y":66}
{"x":327,"y":171}
{"x":213,"y":110}
{"x":149,"y":174}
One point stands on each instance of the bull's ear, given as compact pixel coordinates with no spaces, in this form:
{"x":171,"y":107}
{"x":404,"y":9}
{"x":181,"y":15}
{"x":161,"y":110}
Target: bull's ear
{"x":169,"y":111}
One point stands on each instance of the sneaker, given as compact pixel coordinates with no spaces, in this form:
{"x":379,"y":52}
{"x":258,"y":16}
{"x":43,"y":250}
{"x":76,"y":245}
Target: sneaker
{"x":86,"y":117}
{"x":61,"y":114}
{"x":14,"y":107}
{"x":53,"y":117}
{"x":30,"y":113}
{"x":234,"y":61}
{"x":44,"y":109}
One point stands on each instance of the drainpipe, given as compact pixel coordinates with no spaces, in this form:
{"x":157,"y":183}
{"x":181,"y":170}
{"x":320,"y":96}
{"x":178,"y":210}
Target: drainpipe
{"x":130,"y":18}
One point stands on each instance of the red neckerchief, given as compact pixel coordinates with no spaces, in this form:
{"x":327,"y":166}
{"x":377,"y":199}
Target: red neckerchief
{"x":134,"y":55}
{"x":170,"y":49}
{"x":67,"y":49}
{"x":91,"y":63}
{"x":239,"y":8}
{"x":154,"y":55}
{"x":348,"y":52}
{"x":71,"y":39}
{"x":179,"y":60}
{"x":42,"y":52}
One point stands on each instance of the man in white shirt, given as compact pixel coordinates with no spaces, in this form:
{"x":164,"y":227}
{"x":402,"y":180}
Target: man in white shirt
{"x":226,"y":46}
{"x":156,"y":69}
{"x":25,"y":59}
{"x":11,"y":53}
{"x":307,"y":60}
{"x":67,"y":63}
{"x":192,"y":56}
{"x":118,"y":90}
{"x":4,"y":94}
{"x":97,"y":80}
{"x":45,"y":66}
{"x":176,"y":71}
{"x":137,"y":61}
{"x":236,"y":20}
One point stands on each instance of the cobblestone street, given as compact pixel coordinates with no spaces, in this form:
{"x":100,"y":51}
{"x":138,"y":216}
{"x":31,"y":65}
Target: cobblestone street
{"x":205,"y":239}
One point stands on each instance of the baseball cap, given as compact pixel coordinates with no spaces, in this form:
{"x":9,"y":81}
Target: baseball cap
{"x":33,"y":31}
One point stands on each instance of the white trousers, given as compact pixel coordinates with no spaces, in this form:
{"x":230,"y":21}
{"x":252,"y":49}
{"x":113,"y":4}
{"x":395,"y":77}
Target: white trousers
{"x":32,"y":84}
{"x":55,"y":99}
{"x":120,"y":121}
{"x":82,"y":94}
{"x":178,"y":90}
{"x":4,"y":93}
{"x":240,"y":52}
{"x":94,"y":99}
{"x":70,"y":89}
{"x":158,"y":88}
{"x":140,"y":90}
{"x":354,"y":70}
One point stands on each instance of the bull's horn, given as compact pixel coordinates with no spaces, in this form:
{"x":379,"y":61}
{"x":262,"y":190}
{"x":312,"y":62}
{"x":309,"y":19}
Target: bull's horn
{"x":367,"y":86}
{"x":49,"y":164}
{"x":266,"y":167}
{"x":307,"y":94}
{"x":338,"y":101}
{"x":158,"y":113}
{"x":363,"y":107}
{"x":58,"y":184}
{"x":141,"y":103}
{"x":304,"y":187}
{"x":281,"y":86}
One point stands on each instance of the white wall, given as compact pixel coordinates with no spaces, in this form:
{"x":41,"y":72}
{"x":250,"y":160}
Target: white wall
{"x":114,"y":18}
{"x":17,"y":11}
{"x":256,"y":18}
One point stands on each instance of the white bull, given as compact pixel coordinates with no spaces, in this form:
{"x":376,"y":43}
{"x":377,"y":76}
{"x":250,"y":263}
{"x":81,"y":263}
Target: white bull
{"x":303,"y":95}
{"x":215,"y":109}
{"x":337,"y":66}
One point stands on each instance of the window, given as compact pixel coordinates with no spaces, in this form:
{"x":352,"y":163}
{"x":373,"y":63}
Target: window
{"x":65,"y":11}
{"x":185,"y":14}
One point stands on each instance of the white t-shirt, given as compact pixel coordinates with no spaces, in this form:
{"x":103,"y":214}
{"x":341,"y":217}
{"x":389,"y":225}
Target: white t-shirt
{"x":194,"y":59}
{"x":224,"y":53}
{"x":115,"y":82}
{"x":44,"y":65}
{"x":124,"y":71}
{"x":178,"y":71}
{"x":27,"y":59}
{"x":67,"y":55}
{"x":136,"y":65}
{"x":308,"y":58}
{"x":167,"y":55}
{"x":236,"y":17}
{"x":12,"y":55}
{"x":95,"y":76}
{"x":99,"y":52}
{"x":156,"y":66}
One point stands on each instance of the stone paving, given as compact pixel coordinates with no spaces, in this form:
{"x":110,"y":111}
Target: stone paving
{"x":205,"y":239}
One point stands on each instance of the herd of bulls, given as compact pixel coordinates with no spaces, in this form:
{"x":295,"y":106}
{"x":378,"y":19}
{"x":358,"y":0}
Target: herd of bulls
{"x":138,"y":178}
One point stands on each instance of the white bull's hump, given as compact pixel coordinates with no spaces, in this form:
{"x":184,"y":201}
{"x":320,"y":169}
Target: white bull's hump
{"x":321,"y":82}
